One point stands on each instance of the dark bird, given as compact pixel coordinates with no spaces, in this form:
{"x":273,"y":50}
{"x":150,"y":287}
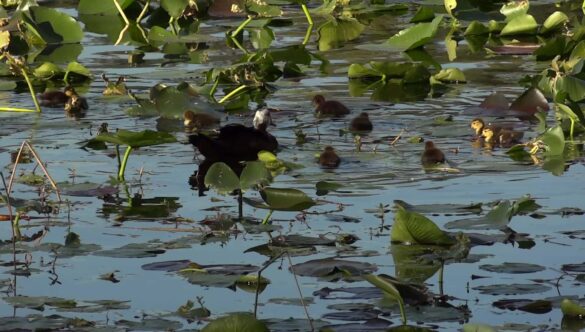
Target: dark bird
{"x":329,"y":107}
{"x":504,"y":137}
{"x":361,"y":123}
{"x":233,"y":144}
{"x":432,"y":155}
{"x":329,"y":158}
{"x":57,"y":98}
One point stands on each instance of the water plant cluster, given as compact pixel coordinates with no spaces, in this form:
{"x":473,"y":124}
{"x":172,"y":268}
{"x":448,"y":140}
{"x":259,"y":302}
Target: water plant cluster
{"x":222,"y":60}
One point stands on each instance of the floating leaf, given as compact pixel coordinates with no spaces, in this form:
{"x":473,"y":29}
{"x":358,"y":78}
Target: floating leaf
{"x":450,"y":75}
{"x":512,"y":289}
{"x":521,"y":25}
{"x":330,"y":266}
{"x":285,"y":199}
{"x":555,"y":21}
{"x":239,"y":322}
{"x":136,"y":139}
{"x":174,"y":8}
{"x":554,"y":139}
{"x":513,"y":268}
{"x":47,"y":71}
{"x":474,"y":327}
{"x":414,"y":228}
{"x":254,"y":174}
{"x":497,"y":218}
{"x":337,"y":31}
{"x":476,"y":28}
{"x":415,"y":36}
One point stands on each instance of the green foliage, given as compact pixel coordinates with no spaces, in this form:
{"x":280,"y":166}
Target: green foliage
{"x":572,"y":309}
{"x":239,"y":322}
{"x":52,"y":26}
{"x":416,"y":36}
{"x":136,"y":139}
{"x":224,"y":180}
{"x":414,"y":228}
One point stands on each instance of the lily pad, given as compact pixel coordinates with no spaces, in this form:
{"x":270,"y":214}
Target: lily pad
{"x":238,"y":322}
{"x":330,"y":266}
{"x":416,"y":36}
{"x":136,"y":139}
{"x":414,"y":228}
{"x":514,"y":268}
{"x":512,"y":289}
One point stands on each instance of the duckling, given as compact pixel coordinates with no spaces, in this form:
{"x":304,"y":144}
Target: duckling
{"x":477,"y":124}
{"x":234,"y":143}
{"x":193,"y":120}
{"x":432,"y":155}
{"x":329,"y":158}
{"x":57,"y":98}
{"x":361,"y":123}
{"x":76,"y":104}
{"x":329,"y":107}
{"x":504,"y":137}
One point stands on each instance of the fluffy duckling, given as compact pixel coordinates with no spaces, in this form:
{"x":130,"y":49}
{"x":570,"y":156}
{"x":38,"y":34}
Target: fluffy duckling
{"x":504,"y":137}
{"x":361,"y":123}
{"x":57,"y":98}
{"x":117,"y":88}
{"x":477,"y":125}
{"x":193,"y":120}
{"x":329,"y":158}
{"x":432,"y":155}
{"x":76,"y":104}
{"x":329,"y":107}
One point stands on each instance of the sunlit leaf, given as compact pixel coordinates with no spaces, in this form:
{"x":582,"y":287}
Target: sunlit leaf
{"x":174,"y":8}
{"x":554,"y":139}
{"x":572,"y":309}
{"x":54,"y":26}
{"x":334,"y":33}
{"x":449,"y":6}
{"x":47,"y":71}
{"x":254,"y":174}
{"x":514,"y":9}
{"x":555,"y":21}
{"x":416,"y":36}
{"x":521,"y":25}
{"x":286,"y":199}
{"x":450,"y":75}
{"x":414,"y":228}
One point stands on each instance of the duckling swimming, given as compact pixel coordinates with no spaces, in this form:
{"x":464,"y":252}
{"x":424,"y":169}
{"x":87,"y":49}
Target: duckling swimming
{"x":76,"y":104}
{"x":329,"y":158}
{"x":56,"y":98}
{"x":329,"y":107}
{"x":504,"y":137}
{"x":361,"y":123}
{"x":193,"y":120}
{"x":432,"y":155}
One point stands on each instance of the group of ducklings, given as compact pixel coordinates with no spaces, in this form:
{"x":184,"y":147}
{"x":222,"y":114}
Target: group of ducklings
{"x":495,"y":135}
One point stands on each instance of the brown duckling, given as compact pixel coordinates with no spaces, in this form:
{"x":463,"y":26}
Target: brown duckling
{"x":329,"y":107}
{"x":361,"y":123}
{"x":504,"y":137}
{"x":76,"y":104}
{"x":57,"y":98}
{"x":194,"y":120}
{"x":329,"y":158}
{"x":432,"y":155}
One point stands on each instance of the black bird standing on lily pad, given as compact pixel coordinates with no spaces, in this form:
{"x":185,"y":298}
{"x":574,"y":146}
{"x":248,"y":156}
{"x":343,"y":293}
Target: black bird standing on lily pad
{"x":233,"y":144}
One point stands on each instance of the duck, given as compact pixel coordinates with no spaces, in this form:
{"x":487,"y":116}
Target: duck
{"x":328,"y":158}
{"x":504,"y":137}
{"x":76,"y":104}
{"x":329,"y":107}
{"x":57,"y":98}
{"x":477,"y":125}
{"x":192,"y":120}
{"x":432,"y":155}
{"x":233,"y":144}
{"x":117,"y":88}
{"x":361,"y":123}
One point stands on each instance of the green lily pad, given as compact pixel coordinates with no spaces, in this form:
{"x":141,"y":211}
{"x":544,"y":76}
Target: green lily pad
{"x":222,"y":178}
{"x":497,"y":218}
{"x":521,"y":25}
{"x":327,"y":267}
{"x":238,"y":322}
{"x":416,"y":36}
{"x":174,"y":8}
{"x":47,"y":71}
{"x":414,"y":228}
{"x":512,"y":289}
{"x":285,"y":199}
{"x":136,"y":139}
{"x":334,"y":33}
{"x":555,"y":21}
{"x":54,"y":26}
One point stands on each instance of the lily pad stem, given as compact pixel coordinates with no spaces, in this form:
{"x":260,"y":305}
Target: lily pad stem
{"x":241,"y":26}
{"x":308,"y":34}
{"x":172,"y":25}
{"x":16,"y":227}
{"x":143,"y":12}
{"x":307,"y":14}
{"x":31,"y":89}
{"x":572,"y":129}
{"x":123,"y":165}
{"x":441,"y":278}
{"x":240,"y":205}
{"x":14,"y":109}
{"x":232,"y":93}
{"x":267,"y":218}
{"x":121,"y":11}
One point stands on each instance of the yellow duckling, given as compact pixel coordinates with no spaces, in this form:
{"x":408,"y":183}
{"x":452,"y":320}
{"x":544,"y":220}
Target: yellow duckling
{"x":194,"y":120}
{"x":504,"y":137}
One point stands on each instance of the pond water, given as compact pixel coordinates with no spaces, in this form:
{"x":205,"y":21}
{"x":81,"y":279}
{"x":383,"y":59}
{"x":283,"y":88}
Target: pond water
{"x":120,"y":241}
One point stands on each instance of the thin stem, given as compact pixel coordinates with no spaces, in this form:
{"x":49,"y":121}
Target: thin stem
{"x":238,"y":45}
{"x":572,"y":129}
{"x":300,"y":292}
{"x":232,"y":93}
{"x":121,"y":11}
{"x":267,"y":218}
{"x":307,"y":14}
{"x":16,"y":227}
{"x":9,"y":205}
{"x":143,"y":12}
{"x":266,"y":265}
{"x":402,"y":311}
{"x":31,"y":89}
{"x":118,"y":156}
{"x":123,"y":165}
{"x":14,"y":109}
{"x":308,"y":34}
{"x":172,"y":25}
{"x":241,"y":26}
{"x":240,"y":205}
{"x":122,"y":32}
{"x":441,"y":278}
{"x":214,"y":88}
